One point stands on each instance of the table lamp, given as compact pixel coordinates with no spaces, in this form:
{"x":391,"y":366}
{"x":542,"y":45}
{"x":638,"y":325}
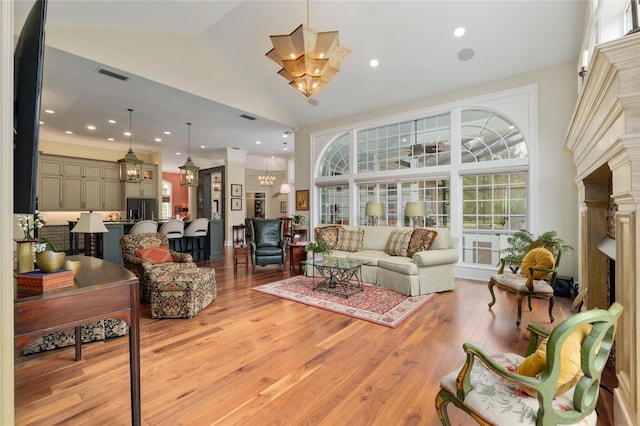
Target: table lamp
{"x":90,"y":223}
{"x":374,"y":211}
{"x":415,"y":210}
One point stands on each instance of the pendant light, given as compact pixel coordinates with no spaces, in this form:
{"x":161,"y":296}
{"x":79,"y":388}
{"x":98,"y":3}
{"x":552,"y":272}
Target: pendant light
{"x":189,"y":172}
{"x":130,"y":166}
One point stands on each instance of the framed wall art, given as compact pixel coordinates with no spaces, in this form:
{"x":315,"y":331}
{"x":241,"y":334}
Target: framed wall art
{"x":302,"y":199}
{"x":236,"y":190}
{"x":283,"y":206}
{"x":236,"y":204}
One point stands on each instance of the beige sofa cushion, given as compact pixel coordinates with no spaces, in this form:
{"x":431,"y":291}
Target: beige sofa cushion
{"x":398,"y":242}
{"x":375,"y":237}
{"x":443,"y":240}
{"x":349,"y":239}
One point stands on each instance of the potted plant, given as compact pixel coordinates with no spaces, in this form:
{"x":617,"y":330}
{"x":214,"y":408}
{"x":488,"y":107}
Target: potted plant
{"x":298,"y":220}
{"x":519,"y":246}
{"x":319,"y":248}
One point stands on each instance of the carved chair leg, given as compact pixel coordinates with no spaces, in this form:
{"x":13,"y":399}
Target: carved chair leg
{"x":441,"y":409}
{"x":551,"y":302}
{"x":493,"y":296}
{"x":530,"y":306}
{"x":519,"y":300}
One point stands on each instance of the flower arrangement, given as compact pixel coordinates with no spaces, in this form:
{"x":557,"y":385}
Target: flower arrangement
{"x":27,"y":227}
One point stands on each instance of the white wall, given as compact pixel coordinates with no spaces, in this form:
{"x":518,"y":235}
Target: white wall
{"x":555,"y":188}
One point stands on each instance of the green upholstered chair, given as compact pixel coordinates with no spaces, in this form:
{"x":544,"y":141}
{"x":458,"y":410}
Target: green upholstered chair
{"x":268,"y":246}
{"x":534,"y":282}
{"x":490,"y":391}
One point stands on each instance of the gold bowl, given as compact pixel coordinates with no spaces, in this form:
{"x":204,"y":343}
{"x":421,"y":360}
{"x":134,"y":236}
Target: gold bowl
{"x":50,"y":261}
{"x":73,"y":266}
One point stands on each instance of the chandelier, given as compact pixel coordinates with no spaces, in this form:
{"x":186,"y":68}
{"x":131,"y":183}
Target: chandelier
{"x":309,"y":59}
{"x":267,"y":179}
{"x":130,"y":166}
{"x":189,"y":171}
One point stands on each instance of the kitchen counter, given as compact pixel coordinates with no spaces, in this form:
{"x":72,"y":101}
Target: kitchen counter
{"x":108,"y":243}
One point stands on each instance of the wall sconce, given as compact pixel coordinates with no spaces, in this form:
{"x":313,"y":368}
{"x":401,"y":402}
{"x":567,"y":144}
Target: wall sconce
{"x":374,"y":211}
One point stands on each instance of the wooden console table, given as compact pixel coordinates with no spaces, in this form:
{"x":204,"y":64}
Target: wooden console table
{"x":102,"y":290}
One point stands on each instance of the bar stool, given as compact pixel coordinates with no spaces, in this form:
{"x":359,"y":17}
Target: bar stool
{"x":196,"y":236}
{"x":144,"y":227}
{"x":174,"y":230}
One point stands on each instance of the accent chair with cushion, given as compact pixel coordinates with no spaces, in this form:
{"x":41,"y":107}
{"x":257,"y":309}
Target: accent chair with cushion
{"x":539,"y":270}
{"x":268,"y":246}
{"x":170,"y":281}
{"x":556,"y":384}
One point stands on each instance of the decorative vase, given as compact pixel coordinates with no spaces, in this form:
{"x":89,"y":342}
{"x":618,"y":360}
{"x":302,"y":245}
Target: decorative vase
{"x":25,"y":255}
{"x":50,"y":261}
{"x":318,"y":257}
{"x":73,"y":266}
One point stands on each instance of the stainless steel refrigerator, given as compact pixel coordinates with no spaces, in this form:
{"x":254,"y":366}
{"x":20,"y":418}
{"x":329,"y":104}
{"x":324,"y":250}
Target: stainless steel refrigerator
{"x":142,"y":209}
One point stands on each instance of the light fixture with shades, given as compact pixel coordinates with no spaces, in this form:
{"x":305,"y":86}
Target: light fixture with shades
{"x":374,"y":211}
{"x":189,"y":171}
{"x":90,"y":223}
{"x":266,"y":179}
{"x":309,"y":59}
{"x":130,"y":166}
{"x":415,"y":210}
{"x":285,"y":188}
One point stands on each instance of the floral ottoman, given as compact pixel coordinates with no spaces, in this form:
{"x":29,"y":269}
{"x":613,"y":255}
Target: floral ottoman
{"x":182,"y":293}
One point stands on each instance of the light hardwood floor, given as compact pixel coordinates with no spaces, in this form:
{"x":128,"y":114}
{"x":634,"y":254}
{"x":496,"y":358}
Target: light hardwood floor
{"x":255,"y":359}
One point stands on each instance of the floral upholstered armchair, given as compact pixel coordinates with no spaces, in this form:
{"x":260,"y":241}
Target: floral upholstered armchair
{"x":557,"y":382}
{"x":148,"y":256}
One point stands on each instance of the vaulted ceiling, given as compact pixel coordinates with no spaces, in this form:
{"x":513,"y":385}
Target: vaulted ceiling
{"x":204,"y":62}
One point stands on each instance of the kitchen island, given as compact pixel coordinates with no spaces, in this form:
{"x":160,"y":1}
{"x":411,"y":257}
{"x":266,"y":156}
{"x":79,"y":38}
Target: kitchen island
{"x":108,"y":244}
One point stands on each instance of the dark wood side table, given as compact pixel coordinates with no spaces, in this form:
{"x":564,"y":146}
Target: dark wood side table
{"x":297,"y":254}
{"x":240,"y":257}
{"x":102,"y":290}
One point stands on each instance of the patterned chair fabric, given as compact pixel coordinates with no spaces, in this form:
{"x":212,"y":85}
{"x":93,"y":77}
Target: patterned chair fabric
{"x":492,"y":393}
{"x":144,"y":270}
{"x":181,"y":293}
{"x":268,"y":246}
{"x":526,"y":285}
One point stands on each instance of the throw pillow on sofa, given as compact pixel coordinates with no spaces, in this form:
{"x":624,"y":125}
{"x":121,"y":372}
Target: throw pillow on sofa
{"x":421,"y":240}
{"x":398,"y":242}
{"x":328,"y":234}
{"x":538,"y":257}
{"x":350,"y":239}
{"x":155,"y":255}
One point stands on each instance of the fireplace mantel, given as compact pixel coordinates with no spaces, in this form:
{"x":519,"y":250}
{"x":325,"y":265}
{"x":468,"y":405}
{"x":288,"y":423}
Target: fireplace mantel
{"x":604,"y":137}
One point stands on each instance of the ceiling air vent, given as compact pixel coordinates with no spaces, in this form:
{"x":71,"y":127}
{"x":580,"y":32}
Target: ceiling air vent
{"x":113,"y":74}
{"x":248,"y":117}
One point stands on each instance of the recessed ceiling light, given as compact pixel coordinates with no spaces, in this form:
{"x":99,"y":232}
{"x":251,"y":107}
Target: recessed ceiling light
{"x":202,"y":146}
{"x":90,"y":127}
{"x":112,"y":121}
{"x":177,"y":153}
{"x":49,"y":111}
{"x":69,"y":132}
{"x":167,"y":133}
{"x":374,"y":63}
{"x":158,"y":140}
{"x":258,"y":142}
{"x":459,"y":32}
{"x":128,"y":134}
{"x":110,"y":139}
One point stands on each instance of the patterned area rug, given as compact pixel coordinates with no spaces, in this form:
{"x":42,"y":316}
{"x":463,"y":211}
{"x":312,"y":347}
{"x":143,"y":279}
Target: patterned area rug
{"x":375,"y":304}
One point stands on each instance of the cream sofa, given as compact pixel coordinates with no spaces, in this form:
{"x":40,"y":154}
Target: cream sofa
{"x":426,"y":272}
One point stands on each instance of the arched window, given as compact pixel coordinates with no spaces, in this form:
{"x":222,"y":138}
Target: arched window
{"x":335,"y":161}
{"x":488,"y":136}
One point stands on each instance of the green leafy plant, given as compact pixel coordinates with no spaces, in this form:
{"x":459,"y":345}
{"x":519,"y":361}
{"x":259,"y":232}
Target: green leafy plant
{"x":298,"y":219}
{"x":520,"y":241}
{"x":48,"y":242}
{"x":319,"y":246}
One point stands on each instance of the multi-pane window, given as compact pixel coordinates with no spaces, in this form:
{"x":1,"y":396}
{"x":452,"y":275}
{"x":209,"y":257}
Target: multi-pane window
{"x":335,"y":162}
{"x":493,"y":206}
{"x":334,"y":204}
{"x":435,"y":194}
{"x":469,"y":162}
{"x":408,"y":145}
{"x":487,"y":136}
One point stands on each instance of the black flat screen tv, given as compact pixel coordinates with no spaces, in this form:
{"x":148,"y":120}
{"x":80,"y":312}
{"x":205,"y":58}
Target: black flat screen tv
{"x":27,"y":74}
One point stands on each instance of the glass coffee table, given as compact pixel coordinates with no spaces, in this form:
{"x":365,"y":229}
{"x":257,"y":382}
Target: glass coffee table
{"x":341,"y":277}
